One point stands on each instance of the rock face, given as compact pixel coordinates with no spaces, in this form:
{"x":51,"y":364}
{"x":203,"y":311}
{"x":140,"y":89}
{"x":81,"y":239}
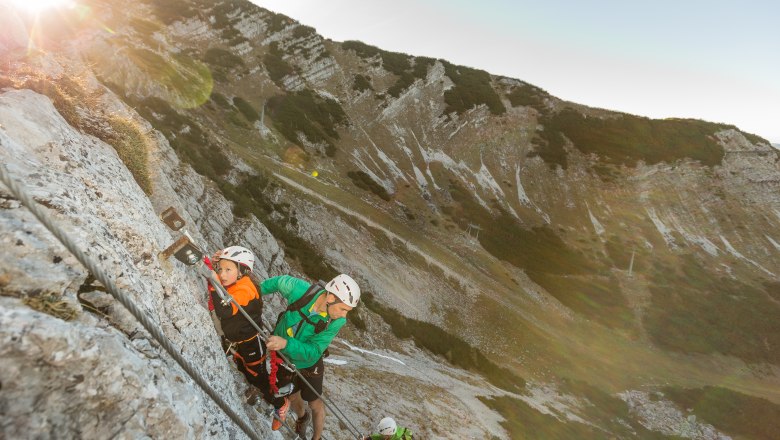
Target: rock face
{"x":99,"y":374}
{"x":450,"y":216}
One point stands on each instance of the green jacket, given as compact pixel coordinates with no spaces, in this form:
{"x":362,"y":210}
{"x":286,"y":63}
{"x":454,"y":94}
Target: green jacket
{"x":400,"y":434}
{"x":304,"y":348}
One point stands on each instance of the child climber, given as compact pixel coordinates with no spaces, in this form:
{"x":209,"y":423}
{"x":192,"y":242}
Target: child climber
{"x":233,"y":265}
{"x":388,"y":430}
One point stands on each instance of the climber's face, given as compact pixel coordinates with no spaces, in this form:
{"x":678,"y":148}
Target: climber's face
{"x":228,"y":272}
{"x":336,"y":308}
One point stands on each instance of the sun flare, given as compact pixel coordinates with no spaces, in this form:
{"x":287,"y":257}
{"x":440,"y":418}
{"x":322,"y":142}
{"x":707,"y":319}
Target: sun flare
{"x":38,"y":6}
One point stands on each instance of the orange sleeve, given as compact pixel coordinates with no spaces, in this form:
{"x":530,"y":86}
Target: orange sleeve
{"x":243,"y":291}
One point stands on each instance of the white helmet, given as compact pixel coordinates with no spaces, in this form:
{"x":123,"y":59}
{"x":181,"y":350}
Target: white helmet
{"x":345,"y":289}
{"x":239,"y":255}
{"x":386,"y":426}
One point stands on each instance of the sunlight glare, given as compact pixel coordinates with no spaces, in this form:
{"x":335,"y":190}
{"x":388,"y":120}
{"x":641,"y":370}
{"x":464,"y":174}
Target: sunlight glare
{"x":38,"y":6}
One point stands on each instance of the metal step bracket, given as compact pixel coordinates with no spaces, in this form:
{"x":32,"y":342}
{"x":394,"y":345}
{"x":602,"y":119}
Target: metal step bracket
{"x":172,"y":219}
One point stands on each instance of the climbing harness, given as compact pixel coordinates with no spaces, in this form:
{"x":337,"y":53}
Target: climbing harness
{"x":186,"y":251}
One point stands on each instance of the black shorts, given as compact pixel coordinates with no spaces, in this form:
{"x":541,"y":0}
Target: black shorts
{"x":314,"y":375}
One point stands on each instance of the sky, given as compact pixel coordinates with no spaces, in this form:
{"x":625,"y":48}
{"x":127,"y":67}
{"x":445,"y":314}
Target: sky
{"x":713,"y":60}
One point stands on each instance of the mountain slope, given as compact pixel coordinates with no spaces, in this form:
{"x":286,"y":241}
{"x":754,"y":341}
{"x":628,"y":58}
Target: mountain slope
{"x":505,"y":217}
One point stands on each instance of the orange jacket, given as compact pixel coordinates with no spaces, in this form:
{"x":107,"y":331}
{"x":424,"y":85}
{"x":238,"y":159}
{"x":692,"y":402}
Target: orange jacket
{"x":234,"y":324}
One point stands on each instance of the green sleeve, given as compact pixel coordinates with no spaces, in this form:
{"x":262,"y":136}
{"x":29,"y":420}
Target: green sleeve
{"x":290,"y":287}
{"x":377,"y":436}
{"x":309,"y":351}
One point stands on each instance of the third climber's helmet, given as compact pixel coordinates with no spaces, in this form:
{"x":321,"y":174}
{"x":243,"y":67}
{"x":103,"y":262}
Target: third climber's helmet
{"x":386,"y":426}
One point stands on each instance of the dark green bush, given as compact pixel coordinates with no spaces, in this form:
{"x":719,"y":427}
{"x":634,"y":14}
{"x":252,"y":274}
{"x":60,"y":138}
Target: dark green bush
{"x":694,"y":310}
{"x":361,"y":83}
{"x":565,"y":273}
{"x":365,"y":182}
{"x":170,"y":11}
{"x":421,"y":66}
{"x":527,"y":95}
{"x":252,"y":197}
{"x":397,"y":63}
{"x":276,"y":66}
{"x":303,"y":31}
{"x":222,"y":58}
{"x":404,"y":81}
{"x":185,"y":135}
{"x":277,"y":22}
{"x":627,"y":139}
{"x":503,"y":236}
{"x":221,"y":101}
{"x":608,"y":417}
{"x":246,"y":109}
{"x":437,"y":341}
{"x":394,"y":62}
{"x":472,"y":87}
{"x":734,"y":413}
{"x":308,"y":113}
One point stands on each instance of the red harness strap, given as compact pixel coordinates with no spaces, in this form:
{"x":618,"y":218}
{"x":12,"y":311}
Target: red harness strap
{"x":275,"y":362}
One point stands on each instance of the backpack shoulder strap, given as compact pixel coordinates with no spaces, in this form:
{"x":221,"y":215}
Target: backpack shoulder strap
{"x":303,"y":300}
{"x":307,"y":296}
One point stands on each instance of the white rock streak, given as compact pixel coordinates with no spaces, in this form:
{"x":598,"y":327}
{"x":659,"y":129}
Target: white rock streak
{"x":596,"y":224}
{"x":410,"y":246}
{"x":665,"y":232}
{"x":360,"y":350}
{"x":736,"y":253}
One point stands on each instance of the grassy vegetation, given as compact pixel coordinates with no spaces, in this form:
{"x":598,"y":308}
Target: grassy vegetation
{"x":303,"y":31}
{"x":472,"y":87}
{"x":592,"y":296}
{"x":527,"y":95}
{"x":222,"y":59}
{"x":130,"y":142}
{"x":64,"y":98}
{"x":276,"y":66}
{"x":144,"y":27}
{"x":125,"y":135}
{"x":221,"y":101}
{"x":627,"y":139}
{"x":397,"y":63}
{"x":773,"y":289}
{"x":52,"y":305}
{"x":438,"y":341}
{"x":361,"y":83}
{"x":566,"y":274}
{"x":696,"y":311}
{"x":170,"y":11}
{"x":619,"y":253}
{"x":277,"y":22}
{"x":186,"y":137}
{"x":394,"y":62}
{"x":187,"y":81}
{"x":729,"y":411}
{"x":246,"y":109}
{"x":524,"y":422}
{"x":308,"y":113}
{"x":365,"y":182}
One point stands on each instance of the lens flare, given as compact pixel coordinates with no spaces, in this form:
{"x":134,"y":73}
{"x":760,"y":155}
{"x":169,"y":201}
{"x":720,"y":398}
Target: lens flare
{"x":38,"y":6}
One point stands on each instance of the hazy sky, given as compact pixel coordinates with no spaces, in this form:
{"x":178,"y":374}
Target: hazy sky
{"x":712,"y":60}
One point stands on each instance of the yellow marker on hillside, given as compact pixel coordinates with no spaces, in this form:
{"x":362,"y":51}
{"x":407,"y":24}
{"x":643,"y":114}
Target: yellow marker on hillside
{"x":315,"y":174}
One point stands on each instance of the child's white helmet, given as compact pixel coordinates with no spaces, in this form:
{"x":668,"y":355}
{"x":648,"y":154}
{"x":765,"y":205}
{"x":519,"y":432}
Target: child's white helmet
{"x":345,"y":289}
{"x":239,"y":255}
{"x":386,"y":426}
